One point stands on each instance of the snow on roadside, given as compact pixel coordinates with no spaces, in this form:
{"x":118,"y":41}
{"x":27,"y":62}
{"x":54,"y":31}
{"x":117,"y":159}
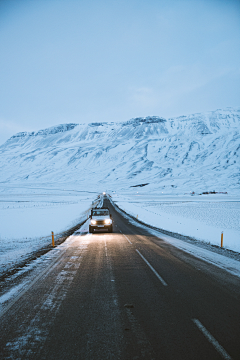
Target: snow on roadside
{"x":203,"y":218}
{"x":27,"y":220}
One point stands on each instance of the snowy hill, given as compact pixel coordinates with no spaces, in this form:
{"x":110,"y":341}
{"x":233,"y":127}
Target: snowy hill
{"x":199,"y":152}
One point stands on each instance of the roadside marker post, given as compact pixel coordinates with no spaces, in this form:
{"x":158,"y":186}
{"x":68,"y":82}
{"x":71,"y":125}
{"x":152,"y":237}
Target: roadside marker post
{"x":53,"y":239}
{"x":222,"y":239}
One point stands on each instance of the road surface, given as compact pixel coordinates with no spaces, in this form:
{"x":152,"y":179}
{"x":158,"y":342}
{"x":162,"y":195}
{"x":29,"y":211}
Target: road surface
{"x":125,"y":295}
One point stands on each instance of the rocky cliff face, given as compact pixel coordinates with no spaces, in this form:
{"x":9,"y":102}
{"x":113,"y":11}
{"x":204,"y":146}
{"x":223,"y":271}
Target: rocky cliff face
{"x":196,"y":152}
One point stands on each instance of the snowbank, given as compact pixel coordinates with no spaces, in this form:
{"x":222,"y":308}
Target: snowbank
{"x":28,"y":215}
{"x":200,"y":217}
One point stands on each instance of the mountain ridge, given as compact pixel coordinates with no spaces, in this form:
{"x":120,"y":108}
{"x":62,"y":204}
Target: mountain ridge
{"x":198,"y":151}
{"x":134,"y":121}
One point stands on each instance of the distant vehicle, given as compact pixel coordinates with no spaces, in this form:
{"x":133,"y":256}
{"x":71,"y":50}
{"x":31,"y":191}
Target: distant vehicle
{"x":100,"y":219}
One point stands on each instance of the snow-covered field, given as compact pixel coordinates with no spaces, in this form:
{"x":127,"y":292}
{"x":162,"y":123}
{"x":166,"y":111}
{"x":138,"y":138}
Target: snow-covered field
{"x":202,"y":217}
{"x":29,"y":213}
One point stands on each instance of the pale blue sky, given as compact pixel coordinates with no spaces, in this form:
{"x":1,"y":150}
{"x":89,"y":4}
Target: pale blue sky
{"x":91,"y":61}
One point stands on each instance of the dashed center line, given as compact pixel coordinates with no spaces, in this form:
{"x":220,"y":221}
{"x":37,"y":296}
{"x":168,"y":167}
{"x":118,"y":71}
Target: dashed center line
{"x":212,"y":340}
{"x":126,"y":237}
{"x":153,"y":270}
{"x":106,"y":248}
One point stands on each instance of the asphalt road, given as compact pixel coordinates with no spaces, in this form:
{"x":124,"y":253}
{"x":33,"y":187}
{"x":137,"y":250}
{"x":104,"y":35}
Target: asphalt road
{"x":125,"y":295}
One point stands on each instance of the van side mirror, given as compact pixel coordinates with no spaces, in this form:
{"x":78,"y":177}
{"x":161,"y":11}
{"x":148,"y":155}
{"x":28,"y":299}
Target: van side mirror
{"x":110,"y":216}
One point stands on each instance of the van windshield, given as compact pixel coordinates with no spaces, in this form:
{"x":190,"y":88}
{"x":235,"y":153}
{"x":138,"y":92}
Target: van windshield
{"x":100,"y":212}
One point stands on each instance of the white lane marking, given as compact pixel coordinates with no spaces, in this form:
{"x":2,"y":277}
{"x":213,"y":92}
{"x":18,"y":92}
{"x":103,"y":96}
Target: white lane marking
{"x":157,"y":275}
{"x":73,"y":265}
{"x":212,"y":340}
{"x":106,"y":248}
{"x":126,"y":237}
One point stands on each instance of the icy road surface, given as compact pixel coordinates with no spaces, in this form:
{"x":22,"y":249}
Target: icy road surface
{"x":124,"y":295}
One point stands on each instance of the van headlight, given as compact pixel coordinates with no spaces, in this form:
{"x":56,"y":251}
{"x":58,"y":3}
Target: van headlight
{"x":93,"y":222}
{"x":107,"y":221}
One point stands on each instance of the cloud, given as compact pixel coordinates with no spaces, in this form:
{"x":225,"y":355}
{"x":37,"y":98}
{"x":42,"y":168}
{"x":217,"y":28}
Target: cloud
{"x":183,"y":80}
{"x":172,"y":91}
{"x":143,"y":96}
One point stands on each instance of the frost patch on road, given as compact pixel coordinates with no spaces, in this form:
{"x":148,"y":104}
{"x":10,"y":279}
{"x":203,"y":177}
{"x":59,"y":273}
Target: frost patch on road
{"x":33,"y":331}
{"x":6,"y":297}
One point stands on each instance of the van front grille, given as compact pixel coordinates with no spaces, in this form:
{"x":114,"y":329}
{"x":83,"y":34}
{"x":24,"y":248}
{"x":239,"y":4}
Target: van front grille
{"x":100,"y":222}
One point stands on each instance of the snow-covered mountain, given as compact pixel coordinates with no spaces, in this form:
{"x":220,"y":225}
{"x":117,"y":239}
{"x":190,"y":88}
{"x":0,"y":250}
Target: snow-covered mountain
{"x":199,"y":152}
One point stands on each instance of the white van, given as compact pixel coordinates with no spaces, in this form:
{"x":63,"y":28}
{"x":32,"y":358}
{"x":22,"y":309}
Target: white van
{"x":100,"y":219}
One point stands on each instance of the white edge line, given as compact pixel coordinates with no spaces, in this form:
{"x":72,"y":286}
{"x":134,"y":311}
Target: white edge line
{"x":212,"y":340}
{"x":158,"y":276}
{"x":126,"y":237}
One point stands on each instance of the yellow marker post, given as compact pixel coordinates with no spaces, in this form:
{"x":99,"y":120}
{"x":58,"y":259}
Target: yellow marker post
{"x":137,"y":216}
{"x":222,"y":239}
{"x":53,"y":239}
